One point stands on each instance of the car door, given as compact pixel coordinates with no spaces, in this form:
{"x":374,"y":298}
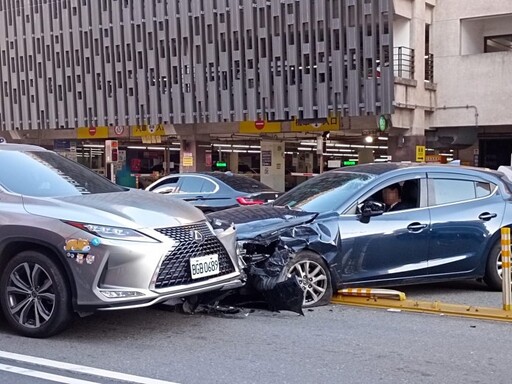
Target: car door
{"x":465,"y":212}
{"x":190,"y":187}
{"x":391,"y":247}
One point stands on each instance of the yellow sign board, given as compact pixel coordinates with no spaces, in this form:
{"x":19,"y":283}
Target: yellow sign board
{"x":420,"y":153}
{"x":151,"y":139}
{"x":148,"y":130}
{"x":260,"y":126}
{"x":92,"y":133}
{"x":188,"y":159}
{"x":331,"y":123}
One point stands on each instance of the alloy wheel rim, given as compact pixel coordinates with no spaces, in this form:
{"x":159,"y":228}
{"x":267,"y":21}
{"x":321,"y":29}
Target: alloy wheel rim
{"x":312,"y":279}
{"x":30,"y":295}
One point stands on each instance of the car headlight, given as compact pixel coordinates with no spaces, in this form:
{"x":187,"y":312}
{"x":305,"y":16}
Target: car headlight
{"x":114,"y":233}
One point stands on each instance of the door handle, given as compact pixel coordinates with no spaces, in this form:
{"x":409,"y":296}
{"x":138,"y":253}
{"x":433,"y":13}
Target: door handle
{"x":486,"y":216}
{"x":416,"y":227}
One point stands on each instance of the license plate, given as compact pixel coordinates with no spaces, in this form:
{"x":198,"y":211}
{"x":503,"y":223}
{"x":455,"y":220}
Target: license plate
{"x":204,"y":266}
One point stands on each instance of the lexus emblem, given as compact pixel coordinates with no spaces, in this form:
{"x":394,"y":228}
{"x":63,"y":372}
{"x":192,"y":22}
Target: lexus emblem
{"x":197,"y":236}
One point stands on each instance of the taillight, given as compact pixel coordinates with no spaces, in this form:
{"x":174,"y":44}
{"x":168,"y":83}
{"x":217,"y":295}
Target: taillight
{"x":248,"y":201}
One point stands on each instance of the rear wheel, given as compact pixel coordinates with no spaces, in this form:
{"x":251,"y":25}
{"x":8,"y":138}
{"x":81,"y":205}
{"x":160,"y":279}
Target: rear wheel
{"x":494,"y":269}
{"x":314,"y":278}
{"x":34,"y":296}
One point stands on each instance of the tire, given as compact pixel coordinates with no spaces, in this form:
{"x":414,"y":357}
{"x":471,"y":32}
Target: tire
{"x":34,"y":296}
{"x":314,"y":278}
{"x":493,"y":270}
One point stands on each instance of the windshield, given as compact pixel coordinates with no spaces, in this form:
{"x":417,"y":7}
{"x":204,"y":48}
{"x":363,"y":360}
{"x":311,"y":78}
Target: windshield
{"x":47,"y":174}
{"x":325,"y":192}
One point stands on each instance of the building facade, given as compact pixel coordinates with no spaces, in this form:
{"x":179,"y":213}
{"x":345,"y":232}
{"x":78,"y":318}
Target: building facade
{"x":202,"y":71}
{"x":83,"y":63}
{"x":473,"y":51}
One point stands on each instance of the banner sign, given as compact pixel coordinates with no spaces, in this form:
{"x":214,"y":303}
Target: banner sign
{"x":316,"y":125}
{"x":260,"y":126}
{"x":148,"y":130}
{"x":92,"y":132}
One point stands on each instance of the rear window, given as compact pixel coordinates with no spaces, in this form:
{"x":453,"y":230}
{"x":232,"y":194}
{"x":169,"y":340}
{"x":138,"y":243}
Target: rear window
{"x":47,"y":174}
{"x":242,"y":183}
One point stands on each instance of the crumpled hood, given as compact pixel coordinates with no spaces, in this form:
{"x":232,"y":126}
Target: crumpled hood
{"x":258,"y":220}
{"x":132,"y":209}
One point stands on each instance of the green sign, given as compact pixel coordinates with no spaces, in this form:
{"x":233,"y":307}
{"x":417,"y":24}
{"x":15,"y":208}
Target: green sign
{"x":383,"y":123}
{"x":345,"y":163}
{"x":221,"y":164}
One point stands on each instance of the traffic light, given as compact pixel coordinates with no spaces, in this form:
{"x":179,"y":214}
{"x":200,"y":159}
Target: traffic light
{"x":111,"y":151}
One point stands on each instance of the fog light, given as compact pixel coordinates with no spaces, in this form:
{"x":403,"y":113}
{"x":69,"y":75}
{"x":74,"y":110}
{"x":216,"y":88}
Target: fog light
{"x":121,"y":294}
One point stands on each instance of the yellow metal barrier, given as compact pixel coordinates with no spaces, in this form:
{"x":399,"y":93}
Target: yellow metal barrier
{"x":505,"y":267}
{"x":373,"y":293}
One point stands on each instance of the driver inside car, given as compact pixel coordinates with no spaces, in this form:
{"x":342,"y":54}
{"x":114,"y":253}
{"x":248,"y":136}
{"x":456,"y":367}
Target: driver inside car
{"x":392,"y":197}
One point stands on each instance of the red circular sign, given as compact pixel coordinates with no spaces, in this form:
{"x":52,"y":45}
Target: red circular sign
{"x":259,"y":124}
{"x":92,"y":131}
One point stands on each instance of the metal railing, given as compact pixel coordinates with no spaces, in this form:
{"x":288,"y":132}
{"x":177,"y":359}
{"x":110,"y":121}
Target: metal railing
{"x":403,"y":61}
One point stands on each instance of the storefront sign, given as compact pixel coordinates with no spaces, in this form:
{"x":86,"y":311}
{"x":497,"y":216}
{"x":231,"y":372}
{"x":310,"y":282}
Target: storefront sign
{"x":61,"y":145}
{"x":148,"y":130}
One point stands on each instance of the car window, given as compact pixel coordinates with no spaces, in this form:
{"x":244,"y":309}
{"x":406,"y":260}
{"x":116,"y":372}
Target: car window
{"x":208,"y":186}
{"x":325,"y":192}
{"x":167,"y":184}
{"x":450,"y":191}
{"x":191,"y":184}
{"x":484,"y":189}
{"x":399,"y":196}
{"x":47,"y":174}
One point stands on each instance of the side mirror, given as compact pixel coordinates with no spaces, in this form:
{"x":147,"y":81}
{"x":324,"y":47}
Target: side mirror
{"x":369,"y":209}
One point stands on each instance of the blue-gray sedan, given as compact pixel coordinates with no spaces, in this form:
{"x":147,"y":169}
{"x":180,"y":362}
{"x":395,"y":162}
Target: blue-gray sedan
{"x":343,"y":230}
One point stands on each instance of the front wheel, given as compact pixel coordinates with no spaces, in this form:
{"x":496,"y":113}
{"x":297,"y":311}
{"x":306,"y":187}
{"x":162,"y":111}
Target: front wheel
{"x":34,"y":296}
{"x":494,"y":268}
{"x":314,"y":278}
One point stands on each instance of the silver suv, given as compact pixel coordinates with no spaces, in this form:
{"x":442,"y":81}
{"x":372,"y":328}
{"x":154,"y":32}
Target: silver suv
{"x":72,"y":242}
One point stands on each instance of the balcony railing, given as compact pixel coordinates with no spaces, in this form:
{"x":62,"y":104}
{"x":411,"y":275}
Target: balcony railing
{"x":403,"y":60}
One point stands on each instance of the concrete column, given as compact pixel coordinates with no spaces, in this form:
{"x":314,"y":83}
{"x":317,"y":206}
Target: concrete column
{"x":193,"y":155}
{"x":365,"y":155}
{"x":308,"y":162}
{"x":272,"y":164}
{"x":233,"y":162}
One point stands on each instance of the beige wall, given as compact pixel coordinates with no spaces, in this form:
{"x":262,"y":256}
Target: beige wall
{"x":463,"y":73}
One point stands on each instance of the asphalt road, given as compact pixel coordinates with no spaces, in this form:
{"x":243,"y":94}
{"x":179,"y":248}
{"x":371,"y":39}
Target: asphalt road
{"x":339,"y":344}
